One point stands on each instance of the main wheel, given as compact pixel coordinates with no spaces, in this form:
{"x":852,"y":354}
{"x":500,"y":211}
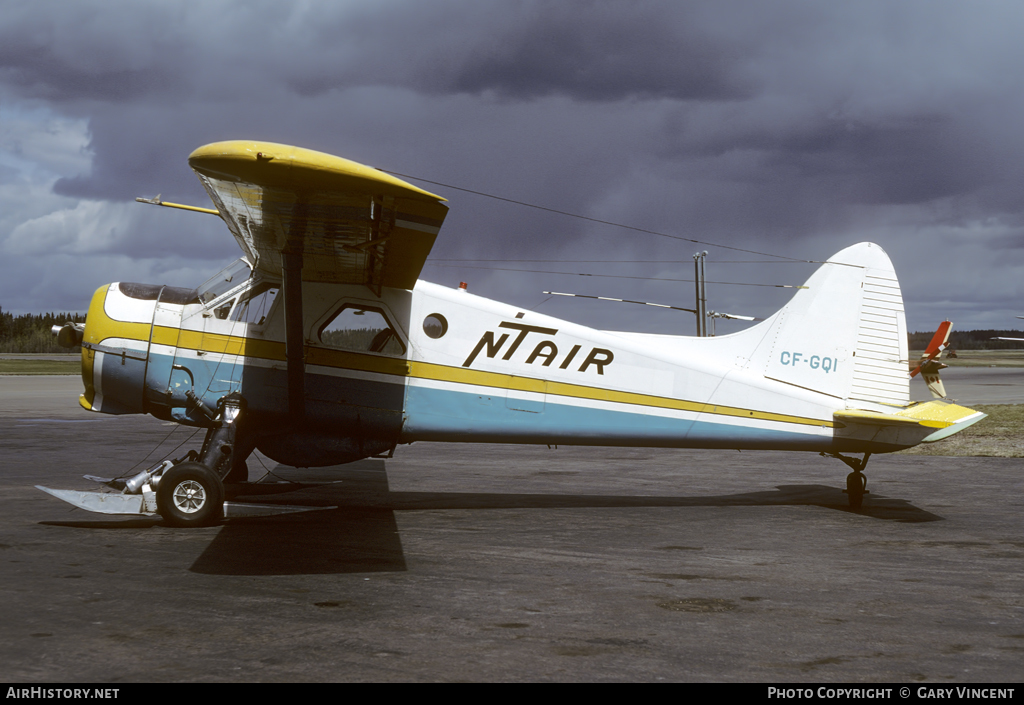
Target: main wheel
{"x":190,"y":494}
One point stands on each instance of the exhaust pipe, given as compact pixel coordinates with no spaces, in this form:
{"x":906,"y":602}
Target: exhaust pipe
{"x":69,"y":335}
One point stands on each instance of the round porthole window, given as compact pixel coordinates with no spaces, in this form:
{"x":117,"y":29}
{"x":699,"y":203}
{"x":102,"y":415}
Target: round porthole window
{"x":435,"y":325}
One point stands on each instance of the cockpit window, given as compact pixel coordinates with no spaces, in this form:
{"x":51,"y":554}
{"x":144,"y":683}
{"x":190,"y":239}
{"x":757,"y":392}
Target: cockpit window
{"x":255,"y":308}
{"x":361,"y":330}
{"x":225,"y":280}
{"x":222,"y":311}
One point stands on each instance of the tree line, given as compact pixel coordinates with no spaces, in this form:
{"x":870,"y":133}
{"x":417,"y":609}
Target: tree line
{"x":971,"y":340}
{"x":30,"y":332}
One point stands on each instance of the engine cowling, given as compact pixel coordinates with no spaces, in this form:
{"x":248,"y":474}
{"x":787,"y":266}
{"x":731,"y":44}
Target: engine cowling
{"x":115,"y":348}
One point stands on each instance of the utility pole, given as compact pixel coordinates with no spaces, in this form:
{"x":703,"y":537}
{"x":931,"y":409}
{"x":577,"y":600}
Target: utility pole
{"x":702,"y":298}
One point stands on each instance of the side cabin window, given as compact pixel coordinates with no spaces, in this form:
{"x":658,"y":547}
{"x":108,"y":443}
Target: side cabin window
{"x":361,"y":329}
{"x":255,"y":306}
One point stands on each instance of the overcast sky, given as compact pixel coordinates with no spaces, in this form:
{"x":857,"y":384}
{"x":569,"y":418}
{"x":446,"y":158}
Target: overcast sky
{"x":793,"y":128}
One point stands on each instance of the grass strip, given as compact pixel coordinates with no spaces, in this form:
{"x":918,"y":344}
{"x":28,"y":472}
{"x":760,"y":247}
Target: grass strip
{"x":41,"y":367}
{"x":1001,"y":435}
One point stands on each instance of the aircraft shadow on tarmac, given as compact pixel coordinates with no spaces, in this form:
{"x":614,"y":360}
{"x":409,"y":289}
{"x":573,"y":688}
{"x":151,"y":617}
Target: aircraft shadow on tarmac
{"x":360,"y":534}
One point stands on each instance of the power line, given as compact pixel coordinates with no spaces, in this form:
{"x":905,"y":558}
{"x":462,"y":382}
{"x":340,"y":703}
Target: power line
{"x":613,"y":261}
{"x":616,"y":276}
{"x":592,"y":220}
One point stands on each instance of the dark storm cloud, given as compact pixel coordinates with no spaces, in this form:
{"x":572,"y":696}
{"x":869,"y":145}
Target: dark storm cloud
{"x":595,"y":51}
{"x":35,"y":71}
{"x":916,"y":159}
{"x":906,"y":159}
{"x":152,"y":97}
{"x":140,"y":150}
{"x":793,"y":128}
{"x":64,"y":53}
{"x":601,"y":52}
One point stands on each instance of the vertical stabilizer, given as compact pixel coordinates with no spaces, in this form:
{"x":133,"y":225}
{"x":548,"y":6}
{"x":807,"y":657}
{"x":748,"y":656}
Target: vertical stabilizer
{"x":845,"y":334}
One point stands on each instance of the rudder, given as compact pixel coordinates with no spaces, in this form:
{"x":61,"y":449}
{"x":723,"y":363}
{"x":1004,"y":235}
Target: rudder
{"x":845,"y":334}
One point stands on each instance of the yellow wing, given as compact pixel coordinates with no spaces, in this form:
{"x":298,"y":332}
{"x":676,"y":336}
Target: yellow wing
{"x":352,"y":223}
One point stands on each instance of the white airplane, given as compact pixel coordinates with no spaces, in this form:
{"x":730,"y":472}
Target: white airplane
{"x":321,"y":346}
{"x":1017,"y":340}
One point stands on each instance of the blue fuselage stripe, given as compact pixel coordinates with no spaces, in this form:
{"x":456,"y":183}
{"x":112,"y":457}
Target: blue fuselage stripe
{"x":434,"y":414}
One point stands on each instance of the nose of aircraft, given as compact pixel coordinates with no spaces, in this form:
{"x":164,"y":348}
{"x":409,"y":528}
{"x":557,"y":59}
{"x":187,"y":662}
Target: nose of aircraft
{"x":88,"y":354}
{"x":115,"y":346}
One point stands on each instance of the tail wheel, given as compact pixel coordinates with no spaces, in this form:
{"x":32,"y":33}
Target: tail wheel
{"x":856,"y":488}
{"x":190,"y":494}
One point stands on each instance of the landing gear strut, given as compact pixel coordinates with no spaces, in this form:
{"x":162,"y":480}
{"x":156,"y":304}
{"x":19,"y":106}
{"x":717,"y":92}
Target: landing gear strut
{"x":192,"y":493}
{"x":856,"y":481}
{"x":188,"y":491}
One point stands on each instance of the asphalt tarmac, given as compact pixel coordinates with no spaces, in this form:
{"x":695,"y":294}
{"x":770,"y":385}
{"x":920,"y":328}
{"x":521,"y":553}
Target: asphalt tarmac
{"x":484,"y":563}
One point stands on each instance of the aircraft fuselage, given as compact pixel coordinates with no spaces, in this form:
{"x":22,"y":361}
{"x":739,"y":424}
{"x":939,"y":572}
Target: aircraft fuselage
{"x":455,"y":367}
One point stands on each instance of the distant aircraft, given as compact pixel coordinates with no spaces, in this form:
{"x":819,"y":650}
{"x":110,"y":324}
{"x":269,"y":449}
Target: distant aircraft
{"x":929,"y":365}
{"x":321,"y":346}
{"x":1019,"y":340}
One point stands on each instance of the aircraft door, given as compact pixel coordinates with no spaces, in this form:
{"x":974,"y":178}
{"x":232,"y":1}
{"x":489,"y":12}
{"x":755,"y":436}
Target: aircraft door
{"x":197,"y":346}
{"x":205,"y":359}
{"x":360,"y":362}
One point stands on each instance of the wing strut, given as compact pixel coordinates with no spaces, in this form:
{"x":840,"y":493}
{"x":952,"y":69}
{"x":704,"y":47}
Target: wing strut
{"x":294,"y":340}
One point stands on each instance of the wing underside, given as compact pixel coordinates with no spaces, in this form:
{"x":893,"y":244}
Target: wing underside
{"x":351,"y":223}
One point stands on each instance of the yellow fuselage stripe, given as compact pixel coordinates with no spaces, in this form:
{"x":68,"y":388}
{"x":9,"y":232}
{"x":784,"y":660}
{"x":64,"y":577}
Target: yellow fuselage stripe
{"x":342,"y":360}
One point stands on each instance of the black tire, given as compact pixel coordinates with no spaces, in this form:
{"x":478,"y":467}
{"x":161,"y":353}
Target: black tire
{"x":856,"y":488}
{"x":190,"y":494}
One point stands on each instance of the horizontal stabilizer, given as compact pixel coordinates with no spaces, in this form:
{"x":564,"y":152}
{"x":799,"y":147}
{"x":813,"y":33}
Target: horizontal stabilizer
{"x":921,"y":422}
{"x":946,"y":418}
{"x":872,"y":418}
